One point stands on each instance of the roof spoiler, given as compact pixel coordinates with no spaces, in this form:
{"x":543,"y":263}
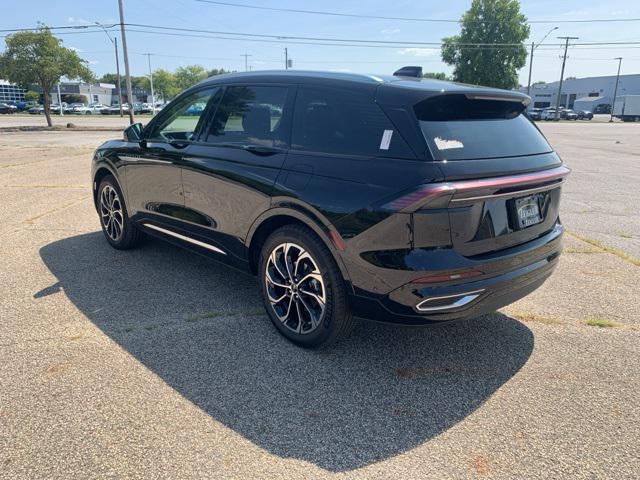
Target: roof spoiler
{"x":415,"y":72}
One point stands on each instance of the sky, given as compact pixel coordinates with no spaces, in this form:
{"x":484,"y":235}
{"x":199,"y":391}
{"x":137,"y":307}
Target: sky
{"x":173,"y":51}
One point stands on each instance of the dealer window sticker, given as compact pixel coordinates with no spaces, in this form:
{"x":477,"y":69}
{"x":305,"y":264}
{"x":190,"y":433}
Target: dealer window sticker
{"x":445,"y":144}
{"x":386,"y":139}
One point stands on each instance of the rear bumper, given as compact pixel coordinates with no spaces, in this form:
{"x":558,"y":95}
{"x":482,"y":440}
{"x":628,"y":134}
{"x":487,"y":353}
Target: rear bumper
{"x":536,"y":262}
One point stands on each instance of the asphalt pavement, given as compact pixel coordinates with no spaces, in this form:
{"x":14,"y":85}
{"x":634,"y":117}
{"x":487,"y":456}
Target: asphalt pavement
{"x":157,"y":363}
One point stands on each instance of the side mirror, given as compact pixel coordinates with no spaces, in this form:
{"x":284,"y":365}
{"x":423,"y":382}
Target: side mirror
{"x":133,"y":133}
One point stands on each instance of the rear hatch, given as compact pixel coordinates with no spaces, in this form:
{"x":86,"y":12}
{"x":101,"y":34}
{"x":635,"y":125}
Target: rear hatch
{"x":503,"y":177}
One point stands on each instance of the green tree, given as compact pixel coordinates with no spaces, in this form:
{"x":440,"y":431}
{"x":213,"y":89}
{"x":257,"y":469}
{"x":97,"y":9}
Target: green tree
{"x":164,"y":84}
{"x":216,"y":71}
{"x":436,"y":75}
{"x":31,"y":96}
{"x":190,"y":75}
{"x":489,"y":22}
{"x":37,"y":57}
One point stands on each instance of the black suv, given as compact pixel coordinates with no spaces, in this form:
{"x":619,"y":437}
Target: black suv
{"x":399,"y":199}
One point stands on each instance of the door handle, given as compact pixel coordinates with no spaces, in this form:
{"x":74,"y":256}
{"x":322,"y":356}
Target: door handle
{"x":179,"y":145}
{"x":260,"y":150}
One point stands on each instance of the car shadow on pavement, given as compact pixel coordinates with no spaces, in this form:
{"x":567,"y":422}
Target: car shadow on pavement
{"x":198,"y":325}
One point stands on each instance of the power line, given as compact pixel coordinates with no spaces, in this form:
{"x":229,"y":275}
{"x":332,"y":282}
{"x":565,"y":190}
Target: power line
{"x":404,"y":19}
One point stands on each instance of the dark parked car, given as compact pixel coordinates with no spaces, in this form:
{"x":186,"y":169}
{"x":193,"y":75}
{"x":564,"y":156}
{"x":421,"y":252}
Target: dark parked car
{"x":568,"y":114}
{"x":6,"y":108}
{"x":535,"y":114}
{"x":398,"y":199}
{"x":584,"y":114}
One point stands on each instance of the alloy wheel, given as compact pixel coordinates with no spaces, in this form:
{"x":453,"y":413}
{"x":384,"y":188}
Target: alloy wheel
{"x":111,"y":213}
{"x":295,"y":288}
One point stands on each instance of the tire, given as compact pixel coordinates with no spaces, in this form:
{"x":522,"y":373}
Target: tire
{"x":117,"y":228}
{"x":306,"y":322}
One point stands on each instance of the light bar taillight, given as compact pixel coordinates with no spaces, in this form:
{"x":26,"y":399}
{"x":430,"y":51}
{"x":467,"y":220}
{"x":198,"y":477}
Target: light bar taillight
{"x":460,"y":190}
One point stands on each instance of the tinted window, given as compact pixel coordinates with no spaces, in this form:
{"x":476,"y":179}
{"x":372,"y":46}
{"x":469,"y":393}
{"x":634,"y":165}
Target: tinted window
{"x":182,"y":119}
{"x":458,"y":128}
{"x":336,"y":121}
{"x":250,"y":116}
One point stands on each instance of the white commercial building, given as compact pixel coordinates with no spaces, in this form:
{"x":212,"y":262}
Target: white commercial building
{"x":583,"y":93}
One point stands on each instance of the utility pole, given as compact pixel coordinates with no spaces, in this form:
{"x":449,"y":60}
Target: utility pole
{"x":615,"y":91}
{"x":153,"y":97}
{"x":119,"y":83}
{"x":564,"y":59}
{"x":286,"y":59}
{"x":533,"y":47}
{"x":126,"y":64}
{"x":60,"y":100}
{"x":246,"y":64}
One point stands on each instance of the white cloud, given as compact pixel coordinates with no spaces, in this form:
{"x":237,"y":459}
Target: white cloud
{"x":419,"y":52}
{"x":76,"y":49}
{"x":390,"y":30}
{"x":93,"y":62}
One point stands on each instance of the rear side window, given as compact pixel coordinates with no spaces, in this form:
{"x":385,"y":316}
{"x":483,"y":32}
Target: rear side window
{"x":461,"y":128}
{"x":250,"y":115}
{"x":337,"y":121}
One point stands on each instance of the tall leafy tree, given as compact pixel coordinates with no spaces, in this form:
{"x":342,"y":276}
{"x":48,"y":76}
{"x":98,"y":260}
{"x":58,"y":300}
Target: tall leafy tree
{"x":37,"y":57}
{"x":164,"y":84}
{"x":189,"y":75}
{"x":489,"y":22}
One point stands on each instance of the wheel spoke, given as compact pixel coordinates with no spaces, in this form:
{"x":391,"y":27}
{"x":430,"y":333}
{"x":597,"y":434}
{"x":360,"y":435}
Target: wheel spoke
{"x":317,"y":297}
{"x":273,"y":282}
{"x":312,"y":314}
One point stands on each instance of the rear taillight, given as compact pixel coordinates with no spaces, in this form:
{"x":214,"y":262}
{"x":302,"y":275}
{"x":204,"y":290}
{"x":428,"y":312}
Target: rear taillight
{"x":418,"y":197}
{"x":437,"y":195}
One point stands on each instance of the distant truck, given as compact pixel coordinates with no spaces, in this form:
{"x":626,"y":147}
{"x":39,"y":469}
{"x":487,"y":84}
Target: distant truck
{"x":627,"y":108}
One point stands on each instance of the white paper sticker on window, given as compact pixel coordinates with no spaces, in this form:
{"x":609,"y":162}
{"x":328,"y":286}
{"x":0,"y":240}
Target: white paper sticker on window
{"x":444,"y":144}
{"x":386,"y":140}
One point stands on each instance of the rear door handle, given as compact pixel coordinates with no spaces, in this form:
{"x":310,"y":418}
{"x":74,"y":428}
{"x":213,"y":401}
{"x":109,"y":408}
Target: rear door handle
{"x":260,"y":150}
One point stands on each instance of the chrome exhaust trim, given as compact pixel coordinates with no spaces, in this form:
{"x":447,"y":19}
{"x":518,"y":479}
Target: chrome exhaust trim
{"x":456,"y":301}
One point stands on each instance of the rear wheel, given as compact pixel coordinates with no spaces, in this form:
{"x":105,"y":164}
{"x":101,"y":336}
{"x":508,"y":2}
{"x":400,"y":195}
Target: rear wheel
{"x":116,"y":225}
{"x":302,"y":288}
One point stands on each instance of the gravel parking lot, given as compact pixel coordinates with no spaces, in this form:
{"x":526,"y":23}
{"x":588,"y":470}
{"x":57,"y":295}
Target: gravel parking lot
{"x":156,"y":363}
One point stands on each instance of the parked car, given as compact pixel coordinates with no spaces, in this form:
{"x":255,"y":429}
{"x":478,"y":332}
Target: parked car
{"x":549,"y":114}
{"x":535,"y":114}
{"x":602,"y":108}
{"x":75,"y":108}
{"x":343,"y":204}
{"x":55,"y":107}
{"x":584,"y":114}
{"x":36,"y":110}
{"x":568,"y":114}
{"x":114,"y":109}
{"x":6,"y":108}
{"x":95,"y":108}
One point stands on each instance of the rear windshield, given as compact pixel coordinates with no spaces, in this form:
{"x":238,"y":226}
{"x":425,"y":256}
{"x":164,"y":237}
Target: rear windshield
{"x":461,"y":128}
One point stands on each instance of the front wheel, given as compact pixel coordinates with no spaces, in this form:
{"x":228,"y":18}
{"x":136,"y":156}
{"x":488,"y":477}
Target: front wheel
{"x":116,"y":225}
{"x":302,"y":288}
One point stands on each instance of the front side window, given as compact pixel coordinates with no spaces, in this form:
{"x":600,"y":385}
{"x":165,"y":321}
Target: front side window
{"x":250,"y":115}
{"x":183,"y":118}
{"x":343,"y":122}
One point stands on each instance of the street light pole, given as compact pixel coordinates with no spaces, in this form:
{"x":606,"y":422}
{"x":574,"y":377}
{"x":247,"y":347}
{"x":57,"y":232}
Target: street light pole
{"x":115,"y":45}
{"x":564,"y":59}
{"x":153,"y":97}
{"x":126,"y":63}
{"x":533,"y":47}
{"x":615,"y":91}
